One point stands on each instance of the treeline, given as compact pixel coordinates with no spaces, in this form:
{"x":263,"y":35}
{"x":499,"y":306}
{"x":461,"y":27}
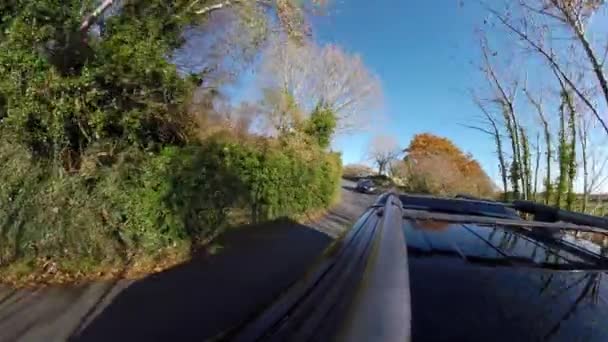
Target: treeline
{"x":429,"y":164}
{"x":118,"y":154}
{"x":547,"y":129}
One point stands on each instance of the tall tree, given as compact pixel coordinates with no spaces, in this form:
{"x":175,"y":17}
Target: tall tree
{"x":532,"y":23}
{"x":536,"y":167}
{"x":583,"y":133}
{"x":496,"y":134}
{"x":505,"y":98}
{"x":572,"y":165}
{"x":567,"y":152}
{"x":315,"y":74}
{"x":568,"y":140}
{"x":526,"y":164}
{"x":538,"y":105}
{"x":282,"y":112}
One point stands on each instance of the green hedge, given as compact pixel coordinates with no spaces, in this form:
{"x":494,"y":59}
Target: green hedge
{"x":123,"y":206}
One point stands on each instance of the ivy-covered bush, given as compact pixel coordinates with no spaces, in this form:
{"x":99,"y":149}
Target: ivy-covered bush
{"x":101,"y":165}
{"x":128,"y":205}
{"x":62,"y":90}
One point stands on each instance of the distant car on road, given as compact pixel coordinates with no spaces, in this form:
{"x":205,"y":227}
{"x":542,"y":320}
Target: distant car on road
{"x":366,"y":186}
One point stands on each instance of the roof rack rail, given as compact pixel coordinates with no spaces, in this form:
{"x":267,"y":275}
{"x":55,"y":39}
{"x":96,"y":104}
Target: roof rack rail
{"x":469,"y":197}
{"x":545,"y":213}
{"x":474,"y":198}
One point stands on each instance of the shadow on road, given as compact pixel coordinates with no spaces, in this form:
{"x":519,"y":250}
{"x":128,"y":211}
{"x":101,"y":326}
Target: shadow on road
{"x":210,"y":294}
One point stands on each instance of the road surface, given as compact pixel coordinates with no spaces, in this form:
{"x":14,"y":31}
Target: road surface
{"x":190,"y":302}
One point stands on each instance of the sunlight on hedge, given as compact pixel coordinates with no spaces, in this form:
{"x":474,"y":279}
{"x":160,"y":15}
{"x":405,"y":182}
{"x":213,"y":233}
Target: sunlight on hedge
{"x":143,"y":205}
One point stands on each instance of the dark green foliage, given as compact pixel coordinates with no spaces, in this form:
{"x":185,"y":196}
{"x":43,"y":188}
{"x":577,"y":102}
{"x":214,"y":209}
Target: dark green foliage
{"x":131,"y":204}
{"x":65,"y":90}
{"x":566,"y":153}
{"x":563,"y":154}
{"x":572,"y":157}
{"x":547,"y":182}
{"x":99,"y":163}
{"x":321,"y":125}
{"x":526,"y":164}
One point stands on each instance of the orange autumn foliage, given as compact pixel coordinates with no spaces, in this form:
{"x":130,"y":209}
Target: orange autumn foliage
{"x":443,"y":168}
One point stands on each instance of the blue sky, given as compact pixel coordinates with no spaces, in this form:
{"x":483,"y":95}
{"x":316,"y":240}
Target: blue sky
{"x":427,"y":56}
{"x":424,"y":53}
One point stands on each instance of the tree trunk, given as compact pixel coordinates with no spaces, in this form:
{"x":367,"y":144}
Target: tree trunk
{"x":536,"y":167}
{"x":579,"y":31}
{"x":572,"y":156}
{"x":502,"y":166}
{"x":563,"y":156}
{"x":550,"y":57}
{"x":547,"y":136}
{"x":526,"y":164}
{"x":583,"y":137}
{"x":90,"y":19}
{"x":510,"y":120}
{"x":499,"y":149}
{"x":519,"y":155}
{"x":515,"y":169}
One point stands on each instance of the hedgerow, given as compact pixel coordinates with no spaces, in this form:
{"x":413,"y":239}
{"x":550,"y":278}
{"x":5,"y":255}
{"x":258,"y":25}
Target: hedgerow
{"x":132,"y":204}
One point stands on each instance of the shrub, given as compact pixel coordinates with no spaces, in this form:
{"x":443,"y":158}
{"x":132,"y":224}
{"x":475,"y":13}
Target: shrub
{"x":127,"y":205}
{"x":63,"y":89}
{"x":437,"y":174}
{"x":321,"y":125}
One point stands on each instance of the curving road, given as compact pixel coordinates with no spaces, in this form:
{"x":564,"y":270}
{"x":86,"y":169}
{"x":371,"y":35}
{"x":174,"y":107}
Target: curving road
{"x":190,"y":302}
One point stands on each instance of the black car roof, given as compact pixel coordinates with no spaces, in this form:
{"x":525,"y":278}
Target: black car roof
{"x":478,"y":280}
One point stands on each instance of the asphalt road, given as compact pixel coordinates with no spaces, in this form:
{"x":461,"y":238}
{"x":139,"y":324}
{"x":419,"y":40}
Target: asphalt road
{"x":190,"y":302}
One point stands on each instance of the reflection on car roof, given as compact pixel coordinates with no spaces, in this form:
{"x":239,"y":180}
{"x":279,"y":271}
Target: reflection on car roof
{"x":485,"y":275}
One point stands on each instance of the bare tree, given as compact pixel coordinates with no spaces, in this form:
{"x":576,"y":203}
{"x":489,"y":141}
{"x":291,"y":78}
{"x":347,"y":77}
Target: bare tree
{"x":505,"y":98}
{"x":313,"y":74}
{"x":532,"y":27}
{"x":382,"y":151}
{"x":281,"y":112}
{"x":494,"y":131}
{"x":538,"y":106}
{"x":536,"y":167}
{"x":583,"y":133}
{"x":526,"y":163}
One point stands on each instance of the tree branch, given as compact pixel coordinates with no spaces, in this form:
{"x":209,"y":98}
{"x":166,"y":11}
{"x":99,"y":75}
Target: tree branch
{"x":541,"y":11}
{"x":227,"y":3}
{"x":490,"y":71}
{"x":208,"y":9}
{"x":478,"y":129}
{"x":90,"y":19}
{"x":554,"y":65}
